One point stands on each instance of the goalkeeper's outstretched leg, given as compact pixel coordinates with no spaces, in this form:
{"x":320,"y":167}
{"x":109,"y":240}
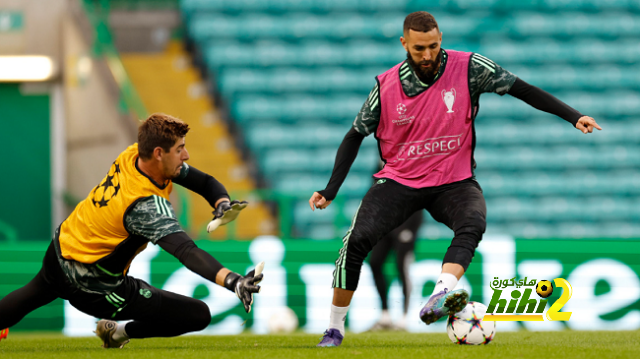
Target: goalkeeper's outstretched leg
{"x":17,"y":304}
{"x":167,"y":315}
{"x":37,"y":293}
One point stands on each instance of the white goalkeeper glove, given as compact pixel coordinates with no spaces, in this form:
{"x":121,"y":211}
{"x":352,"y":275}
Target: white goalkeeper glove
{"x":225,"y":213}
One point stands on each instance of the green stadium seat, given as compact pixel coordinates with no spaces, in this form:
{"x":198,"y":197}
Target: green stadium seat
{"x":290,"y":108}
{"x":356,"y":184}
{"x":581,"y":78}
{"x":552,"y":131}
{"x":536,"y":183}
{"x":278,"y":136}
{"x":548,"y":51}
{"x":559,"y":209}
{"x":279,"y":6}
{"x":324,"y":6}
{"x":256,"y":109}
{"x":303,"y":215}
{"x":232,"y":81}
{"x":613,"y":24}
{"x":276,"y":161}
{"x":555,"y":79}
{"x":557,"y":158}
{"x":384,"y":26}
{"x":578,"y":230}
{"x":536,"y":5}
{"x":371,"y":53}
{"x":310,"y":54}
{"x":295,"y":26}
{"x":618,"y":104}
{"x":344,"y":211}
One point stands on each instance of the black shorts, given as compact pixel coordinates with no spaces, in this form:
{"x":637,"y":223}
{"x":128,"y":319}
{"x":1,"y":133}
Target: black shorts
{"x":134,"y":299}
{"x":388,"y":204}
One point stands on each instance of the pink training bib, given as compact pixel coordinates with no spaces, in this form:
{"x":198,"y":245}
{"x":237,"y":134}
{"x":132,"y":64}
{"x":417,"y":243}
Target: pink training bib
{"x":427,"y":140}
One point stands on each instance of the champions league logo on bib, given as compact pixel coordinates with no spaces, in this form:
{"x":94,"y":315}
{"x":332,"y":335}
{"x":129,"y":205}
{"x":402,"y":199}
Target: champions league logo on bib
{"x":449,"y":97}
{"x":401,"y":108}
{"x":402,"y":118}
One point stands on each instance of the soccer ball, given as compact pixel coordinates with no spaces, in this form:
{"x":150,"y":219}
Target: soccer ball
{"x":467,"y":326}
{"x":544,"y":288}
{"x":283,"y":320}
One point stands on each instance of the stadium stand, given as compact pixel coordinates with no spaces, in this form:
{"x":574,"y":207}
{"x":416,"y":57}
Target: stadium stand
{"x":293,"y":75}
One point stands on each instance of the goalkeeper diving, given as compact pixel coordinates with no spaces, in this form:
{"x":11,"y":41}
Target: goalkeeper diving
{"x":88,"y":260}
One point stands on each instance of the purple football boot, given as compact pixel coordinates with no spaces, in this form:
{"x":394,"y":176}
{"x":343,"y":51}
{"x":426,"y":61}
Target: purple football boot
{"x":331,"y":338}
{"x":444,"y":303}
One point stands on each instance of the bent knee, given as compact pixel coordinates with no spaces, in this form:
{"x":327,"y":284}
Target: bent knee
{"x":474,"y":228}
{"x":201,"y":317}
{"x":360,"y":244}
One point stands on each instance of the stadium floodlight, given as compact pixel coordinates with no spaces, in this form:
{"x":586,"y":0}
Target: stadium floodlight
{"x":25,"y":68}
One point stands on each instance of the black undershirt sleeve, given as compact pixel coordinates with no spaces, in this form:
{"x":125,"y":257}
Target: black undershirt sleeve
{"x":347,"y":153}
{"x":544,"y":101}
{"x":195,"y":259}
{"x":203,"y":184}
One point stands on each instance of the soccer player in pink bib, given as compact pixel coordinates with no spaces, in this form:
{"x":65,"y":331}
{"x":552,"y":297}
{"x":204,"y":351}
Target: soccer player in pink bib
{"x":421,"y":111}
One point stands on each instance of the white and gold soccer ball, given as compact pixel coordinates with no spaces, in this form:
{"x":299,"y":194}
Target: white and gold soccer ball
{"x":467,"y":326}
{"x":283,"y":320}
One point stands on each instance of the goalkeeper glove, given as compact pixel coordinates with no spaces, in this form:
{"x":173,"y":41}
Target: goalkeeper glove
{"x":225,"y":213}
{"x":246,"y":286}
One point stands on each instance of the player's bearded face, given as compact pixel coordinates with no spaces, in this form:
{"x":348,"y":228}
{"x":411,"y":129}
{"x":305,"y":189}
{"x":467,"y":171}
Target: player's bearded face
{"x":423,"y":52}
{"x":425,"y":69}
{"x":173,"y":160}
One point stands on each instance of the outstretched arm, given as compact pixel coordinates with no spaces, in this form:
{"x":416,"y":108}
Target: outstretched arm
{"x":487,"y":76}
{"x":546,"y":102}
{"x":153,"y":218}
{"x":203,"y":184}
{"x":202,"y":263}
{"x":214,"y":192}
{"x":195,"y":259}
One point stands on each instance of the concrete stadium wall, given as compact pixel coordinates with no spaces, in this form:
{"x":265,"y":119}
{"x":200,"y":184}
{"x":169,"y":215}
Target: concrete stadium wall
{"x":41,"y":29}
{"x":97,"y":131}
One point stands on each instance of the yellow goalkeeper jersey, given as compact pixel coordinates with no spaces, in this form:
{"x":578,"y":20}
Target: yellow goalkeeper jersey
{"x":97,"y":227}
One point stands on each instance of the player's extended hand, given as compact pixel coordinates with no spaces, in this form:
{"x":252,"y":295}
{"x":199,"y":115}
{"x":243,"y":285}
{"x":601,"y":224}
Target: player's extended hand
{"x":246,"y":286}
{"x":225,"y":213}
{"x":318,"y":201}
{"x":586,"y":124}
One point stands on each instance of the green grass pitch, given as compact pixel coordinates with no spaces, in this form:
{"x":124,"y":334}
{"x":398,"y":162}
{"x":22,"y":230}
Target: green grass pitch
{"x":566,"y":344}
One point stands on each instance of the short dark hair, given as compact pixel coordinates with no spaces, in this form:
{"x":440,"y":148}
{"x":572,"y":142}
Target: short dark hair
{"x":159,"y":130}
{"x":420,"y":21}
